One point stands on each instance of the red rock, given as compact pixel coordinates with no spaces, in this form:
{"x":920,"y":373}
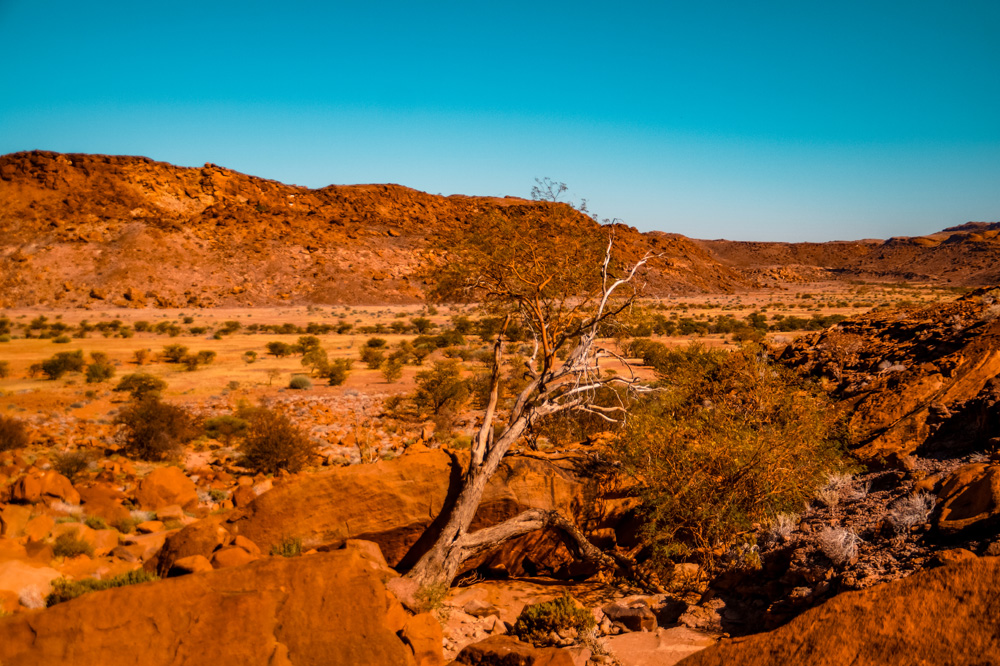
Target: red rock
{"x":149,"y":526}
{"x":969,"y":497}
{"x":509,"y":650}
{"x":941,"y":616}
{"x":39,"y":527}
{"x":165,"y":486}
{"x":13,"y":519}
{"x":422,"y":634}
{"x":29,"y":581}
{"x":231,"y":557}
{"x":190,"y":565}
{"x":247,"y":545}
{"x":316,"y":610}
{"x":104,"y":501}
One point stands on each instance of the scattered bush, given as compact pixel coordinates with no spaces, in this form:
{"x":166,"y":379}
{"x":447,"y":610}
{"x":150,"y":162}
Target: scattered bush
{"x":839,"y":544}
{"x":140,"y":385}
{"x":289,"y":547}
{"x":225,"y":428}
{"x":300,"y":382}
{"x":153,"y":429}
{"x":63,"y":362}
{"x":4,"y":369}
{"x":141,"y":356}
{"x":249,"y":357}
{"x":273,"y":443}
{"x":441,"y":388}
{"x":560,"y":615}
{"x":64,"y":590}
{"x":278,"y":349}
{"x":13,"y":434}
{"x":337,"y":371}
{"x":372,"y":357}
{"x":62,"y":340}
{"x":70,"y":545}
{"x":392,"y":370}
{"x":95,"y":523}
{"x":174,"y":353}
{"x":375,"y":343}
{"x":430,"y":597}
{"x":100,"y":370}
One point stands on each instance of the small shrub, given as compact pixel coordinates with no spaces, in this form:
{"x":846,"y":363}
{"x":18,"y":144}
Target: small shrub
{"x":4,"y":369}
{"x":69,"y":545}
{"x":225,"y":428}
{"x":13,"y":434}
{"x":279,"y":349}
{"x":780,"y":530}
{"x":174,"y":353}
{"x":126,"y":525}
{"x":140,"y":385}
{"x":441,"y":389}
{"x":153,"y":429}
{"x":537,"y":621}
{"x":909,"y":511}
{"x":372,"y":357}
{"x":430,"y":597}
{"x":273,"y":443}
{"x":100,"y":370}
{"x":249,"y":357}
{"x":62,"y":340}
{"x":375,"y":343}
{"x":95,"y":523}
{"x":63,"y":362}
{"x":392,"y":370}
{"x":337,"y":371}
{"x":217,"y":495}
{"x":72,"y":463}
{"x":289,"y":547}
{"x":64,"y":590}
{"x":300,"y":382}
{"x":840,"y":545}
{"x":140,"y":356}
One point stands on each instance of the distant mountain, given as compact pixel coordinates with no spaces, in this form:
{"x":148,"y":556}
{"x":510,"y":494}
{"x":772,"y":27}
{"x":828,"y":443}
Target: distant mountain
{"x":83,"y":229}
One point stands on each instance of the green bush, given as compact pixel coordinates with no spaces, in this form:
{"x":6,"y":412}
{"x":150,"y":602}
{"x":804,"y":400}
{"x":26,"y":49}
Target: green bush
{"x":441,"y":388}
{"x":300,"y":382}
{"x":70,"y":545}
{"x":100,"y":370}
{"x":174,"y":353}
{"x":13,"y":434}
{"x":537,"y":621}
{"x":63,"y":362}
{"x":140,"y":384}
{"x":64,"y":590}
{"x":153,"y":429}
{"x":372,"y":357}
{"x":225,"y":428}
{"x":278,"y":349}
{"x":273,"y":443}
{"x":729,"y":440}
{"x":337,"y":371}
{"x":95,"y":523}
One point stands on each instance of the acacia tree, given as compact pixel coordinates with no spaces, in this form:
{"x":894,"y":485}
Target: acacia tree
{"x":559,"y":280}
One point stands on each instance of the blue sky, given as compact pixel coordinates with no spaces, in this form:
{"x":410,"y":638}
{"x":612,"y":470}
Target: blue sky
{"x":747,"y":120}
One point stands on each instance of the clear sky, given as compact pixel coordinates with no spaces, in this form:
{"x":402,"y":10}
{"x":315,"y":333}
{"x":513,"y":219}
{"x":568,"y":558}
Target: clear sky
{"x":764,"y":120}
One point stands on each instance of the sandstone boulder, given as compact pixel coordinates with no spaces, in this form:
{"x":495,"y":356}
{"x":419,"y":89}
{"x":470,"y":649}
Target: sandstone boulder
{"x":166,"y":486}
{"x":509,"y":650}
{"x":969,"y":498}
{"x":941,"y":616}
{"x":308,"y":611}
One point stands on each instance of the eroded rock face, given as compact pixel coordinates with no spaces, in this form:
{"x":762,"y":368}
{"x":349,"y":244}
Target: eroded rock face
{"x":393,"y":503}
{"x":917,"y":381}
{"x":943,"y":616}
{"x":970,"y":498}
{"x":327,"y":608}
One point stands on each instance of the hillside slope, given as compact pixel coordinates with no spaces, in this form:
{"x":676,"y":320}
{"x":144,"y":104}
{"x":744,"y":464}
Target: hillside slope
{"x":78,"y":229}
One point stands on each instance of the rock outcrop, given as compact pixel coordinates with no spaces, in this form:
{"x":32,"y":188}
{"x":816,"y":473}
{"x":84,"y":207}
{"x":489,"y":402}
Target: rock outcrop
{"x":327,"y":608}
{"x":943,"y":616}
{"x":394,"y":504}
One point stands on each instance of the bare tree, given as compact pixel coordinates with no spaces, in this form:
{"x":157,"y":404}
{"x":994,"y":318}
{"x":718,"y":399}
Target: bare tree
{"x":564,"y":287}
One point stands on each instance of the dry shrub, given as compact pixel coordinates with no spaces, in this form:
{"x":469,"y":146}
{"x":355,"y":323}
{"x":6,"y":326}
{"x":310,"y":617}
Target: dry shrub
{"x":839,"y":544}
{"x":153,"y":429}
{"x":273,"y":443}
{"x":729,"y":440}
{"x":13,"y":434}
{"x":911,"y":510}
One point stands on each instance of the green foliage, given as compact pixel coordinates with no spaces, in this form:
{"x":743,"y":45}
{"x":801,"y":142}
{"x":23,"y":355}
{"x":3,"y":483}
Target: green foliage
{"x":315,"y":358}
{"x":225,"y":428}
{"x":273,"y":443}
{"x":375,"y":343}
{"x":289,"y":547}
{"x":126,"y":525}
{"x":174,"y":353}
{"x":13,"y":434}
{"x":730,"y":440}
{"x":153,"y":429}
{"x":430,"y":597}
{"x":95,"y":523}
{"x":63,"y":362}
{"x":537,"y":621}
{"x":64,"y":590}
{"x":337,"y":371}
{"x":140,"y":385}
{"x":392,"y":370}
{"x":278,"y":349}
{"x":249,"y":357}
{"x":372,"y":357}
{"x":441,"y":388}
{"x":100,"y":370}
{"x":300,"y":382}
{"x":70,"y":545}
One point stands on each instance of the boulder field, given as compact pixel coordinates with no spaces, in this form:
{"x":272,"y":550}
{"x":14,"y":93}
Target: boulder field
{"x":324,"y":608}
{"x":395,"y":504}
{"x":946,"y":615}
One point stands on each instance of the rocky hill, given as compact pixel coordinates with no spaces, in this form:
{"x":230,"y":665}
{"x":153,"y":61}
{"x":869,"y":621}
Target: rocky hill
{"x":127,"y":230}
